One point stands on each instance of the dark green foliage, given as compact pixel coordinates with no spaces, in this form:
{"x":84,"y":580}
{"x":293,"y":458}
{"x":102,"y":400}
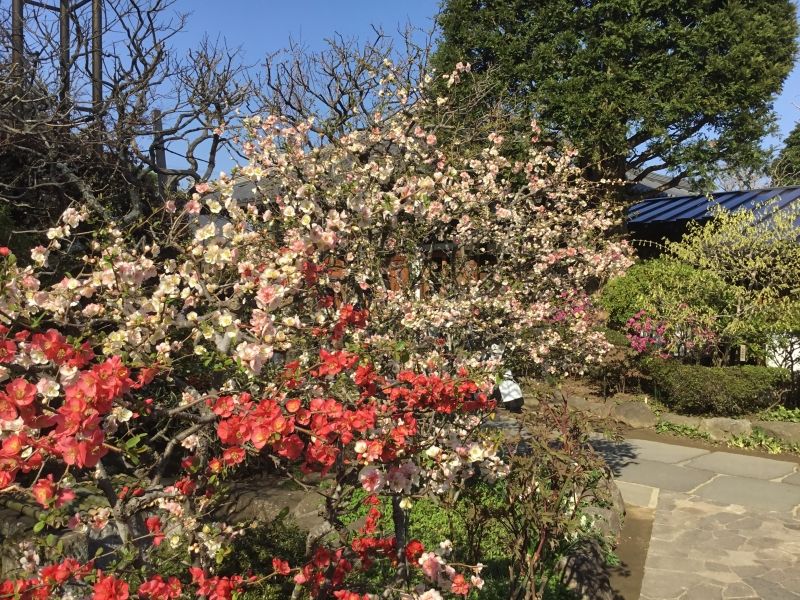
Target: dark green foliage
{"x":544,"y":499}
{"x":476,"y":525}
{"x":724,"y":391}
{"x":786,"y":169}
{"x":254,"y":550}
{"x":633,"y":84}
{"x":620,"y":366}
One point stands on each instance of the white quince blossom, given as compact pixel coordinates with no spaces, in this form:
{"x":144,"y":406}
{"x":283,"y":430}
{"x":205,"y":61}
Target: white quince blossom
{"x":39,"y":255}
{"x":49,"y":388}
{"x":206,"y":232}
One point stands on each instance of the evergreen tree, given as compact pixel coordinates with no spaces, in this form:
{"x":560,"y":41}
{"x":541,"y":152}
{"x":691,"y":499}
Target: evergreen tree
{"x":677,"y":86}
{"x":786,"y":169}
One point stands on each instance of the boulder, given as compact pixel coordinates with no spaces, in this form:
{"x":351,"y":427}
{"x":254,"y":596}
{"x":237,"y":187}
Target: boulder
{"x":634,"y":414}
{"x":598,"y":409}
{"x":723,"y":428}
{"x":681,"y":420}
{"x":783,"y":430}
{"x":621,"y":397}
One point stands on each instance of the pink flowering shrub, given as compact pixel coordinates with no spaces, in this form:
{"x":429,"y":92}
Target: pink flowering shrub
{"x":650,"y":336}
{"x":646,"y":334}
{"x":220,"y":333}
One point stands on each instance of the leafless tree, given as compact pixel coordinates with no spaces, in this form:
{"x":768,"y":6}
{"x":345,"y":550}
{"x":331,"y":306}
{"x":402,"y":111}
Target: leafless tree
{"x":160,"y":125}
{"x":347,"y":85}
{"x":350,"y":85}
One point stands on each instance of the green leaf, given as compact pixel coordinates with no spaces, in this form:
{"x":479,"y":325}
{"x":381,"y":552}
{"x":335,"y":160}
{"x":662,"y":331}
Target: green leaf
{"x":134,"y":441}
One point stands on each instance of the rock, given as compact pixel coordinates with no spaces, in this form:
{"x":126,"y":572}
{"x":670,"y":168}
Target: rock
{"x":786,"y":431}
{"x":607,"y":510}
{"x":723,"y":428}
{"x":606,"y":521}
{"x":598,"y":409}
{"x":621,"y":397}
{"x":15,"y":528}
{"x":531,"y":401}
{"x":584,"y":570}
{"x":634,"y":414}
{"x":681,"y":419}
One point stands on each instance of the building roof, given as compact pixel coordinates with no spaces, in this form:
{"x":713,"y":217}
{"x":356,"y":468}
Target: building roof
{"x":695,"y":207}
{"x":654,"y":182}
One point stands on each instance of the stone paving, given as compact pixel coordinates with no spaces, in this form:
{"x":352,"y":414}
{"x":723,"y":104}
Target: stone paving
{"x":726,"y":526}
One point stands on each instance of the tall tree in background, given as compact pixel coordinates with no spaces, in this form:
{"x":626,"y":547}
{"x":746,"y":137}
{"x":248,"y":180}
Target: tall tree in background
{"x":786,"y":168}
{"x":675,"y":86}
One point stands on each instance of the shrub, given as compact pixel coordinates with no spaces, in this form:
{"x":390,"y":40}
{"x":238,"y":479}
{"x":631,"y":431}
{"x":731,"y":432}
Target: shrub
{"x":726,"y":391}
{"x":263,"y":541}
{"x":655,"y":285}
{"x":781,"y":413}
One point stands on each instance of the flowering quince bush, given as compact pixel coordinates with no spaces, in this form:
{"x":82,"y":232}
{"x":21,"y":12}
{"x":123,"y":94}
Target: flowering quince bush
{"x":523,"y":241}
{"x":308,"y":330}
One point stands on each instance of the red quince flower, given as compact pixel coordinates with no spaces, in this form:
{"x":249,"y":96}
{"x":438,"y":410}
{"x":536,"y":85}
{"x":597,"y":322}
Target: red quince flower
{"x":8,"y":350}
{"x":281,"y":567}
{"x":21,"y":392}
{"x":110,"y":588}
{"x":46,"y":492}
{"x":153,"y":525}
{"x":459,"y":585}
{"x":156,"y":588}
{"x":8,"y":410}
{"x":414,"y":550}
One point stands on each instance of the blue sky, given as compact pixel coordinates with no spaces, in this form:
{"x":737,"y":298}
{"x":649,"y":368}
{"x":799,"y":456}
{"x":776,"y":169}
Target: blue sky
{"x":263,"y":26}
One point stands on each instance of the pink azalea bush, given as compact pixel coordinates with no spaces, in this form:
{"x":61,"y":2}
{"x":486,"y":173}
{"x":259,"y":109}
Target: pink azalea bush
{"x":220,"y":333}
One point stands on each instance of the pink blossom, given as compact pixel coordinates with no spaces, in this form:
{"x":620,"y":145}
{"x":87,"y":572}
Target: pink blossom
{"x":372,"y":479}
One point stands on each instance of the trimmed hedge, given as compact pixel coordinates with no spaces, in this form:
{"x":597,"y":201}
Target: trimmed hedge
{"x":721,"y":391}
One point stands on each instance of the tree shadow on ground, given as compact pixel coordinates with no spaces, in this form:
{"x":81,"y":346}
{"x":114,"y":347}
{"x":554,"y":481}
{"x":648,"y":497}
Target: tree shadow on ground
{"x":617,"y":454}
{"x":587,"y":574}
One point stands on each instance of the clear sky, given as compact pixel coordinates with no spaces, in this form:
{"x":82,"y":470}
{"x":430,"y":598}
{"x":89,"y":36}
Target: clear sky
{"x":264,"y":26}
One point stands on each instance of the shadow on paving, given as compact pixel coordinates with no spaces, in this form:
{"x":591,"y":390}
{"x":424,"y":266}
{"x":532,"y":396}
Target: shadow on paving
{"x":588,"y":576}
{"x":617,"y":454}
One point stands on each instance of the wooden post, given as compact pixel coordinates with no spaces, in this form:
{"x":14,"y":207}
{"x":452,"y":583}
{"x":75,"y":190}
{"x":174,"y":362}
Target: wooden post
{"x":63,"y":21}
{"x":97,"y":57}
{"x":17,"y":40}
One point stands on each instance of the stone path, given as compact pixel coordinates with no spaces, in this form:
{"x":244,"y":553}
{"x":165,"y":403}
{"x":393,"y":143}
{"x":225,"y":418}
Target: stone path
{"x":726,"y":526}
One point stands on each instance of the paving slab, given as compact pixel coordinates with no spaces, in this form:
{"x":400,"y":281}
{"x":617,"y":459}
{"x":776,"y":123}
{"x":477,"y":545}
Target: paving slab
{"x":634,"y":494}
{"x":703,"y":549}
{"x":793,"y":479}
{"x":632,"y":450}
{"x":756,"y":493}
{"x":768,"y":590}
{"x":666,"y":453}
{"x":741,"y":465}
{"x":664,"y":475}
